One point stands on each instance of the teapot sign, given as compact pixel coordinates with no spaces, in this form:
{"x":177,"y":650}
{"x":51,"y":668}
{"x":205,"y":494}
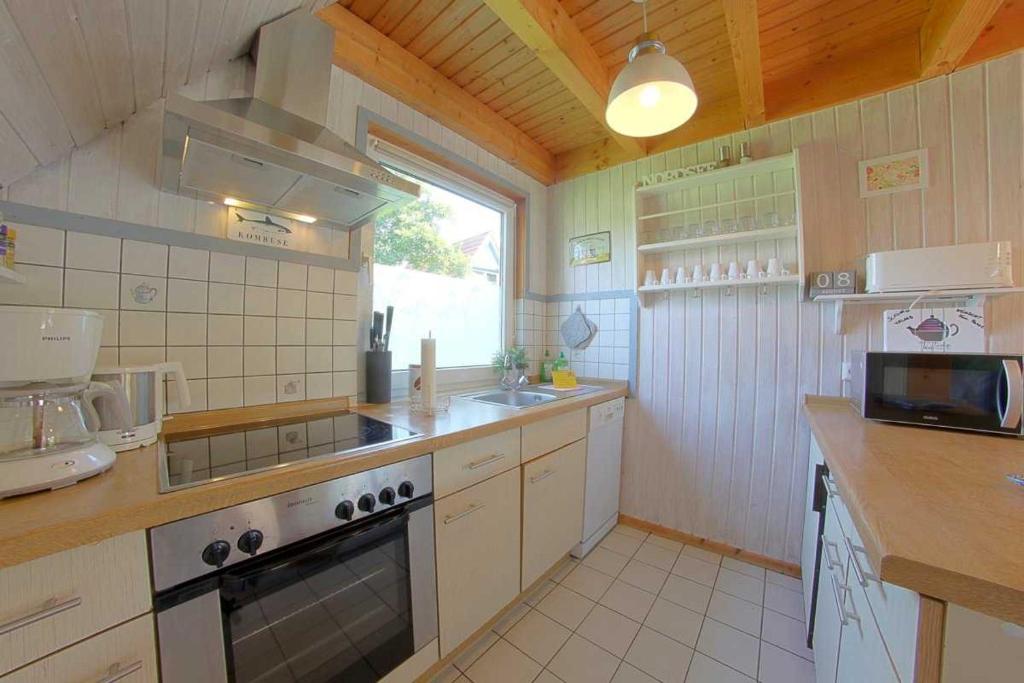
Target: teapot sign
{"x":960,"y":329}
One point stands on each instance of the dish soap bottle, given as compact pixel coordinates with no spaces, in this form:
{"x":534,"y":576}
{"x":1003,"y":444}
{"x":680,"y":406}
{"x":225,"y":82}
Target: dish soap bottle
{"x":560,"y":363}
{"x":545,"y":367}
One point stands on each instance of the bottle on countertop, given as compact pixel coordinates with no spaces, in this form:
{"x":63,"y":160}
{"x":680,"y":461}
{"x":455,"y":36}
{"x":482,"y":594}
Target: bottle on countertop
{"x":545,"y":367}
{"x":560,"y":363}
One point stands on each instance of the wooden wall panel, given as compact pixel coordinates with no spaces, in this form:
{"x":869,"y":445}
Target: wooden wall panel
{"x":716,"y":445}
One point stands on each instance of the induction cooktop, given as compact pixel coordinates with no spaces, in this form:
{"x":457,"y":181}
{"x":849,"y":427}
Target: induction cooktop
{"x":190,"y":461}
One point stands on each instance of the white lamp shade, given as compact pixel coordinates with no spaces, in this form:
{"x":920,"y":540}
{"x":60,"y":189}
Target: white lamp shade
{"x":651,"y":95}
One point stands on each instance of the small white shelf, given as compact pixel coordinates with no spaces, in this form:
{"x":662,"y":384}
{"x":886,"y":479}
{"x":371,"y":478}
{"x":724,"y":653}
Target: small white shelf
{"x":948,"y":296}
{"x":10,"y":277}
{"x":766,"y":165}
{"x":724,"y":284}
{"x":717,"y":240}
{"x":716,"y":205}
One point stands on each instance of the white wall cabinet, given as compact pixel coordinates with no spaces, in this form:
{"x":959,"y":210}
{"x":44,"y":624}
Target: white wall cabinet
{"x":478,"y":535}
{"x":552,"y":508}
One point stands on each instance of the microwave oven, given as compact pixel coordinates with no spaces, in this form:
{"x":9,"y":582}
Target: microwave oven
{"x":973,"y":391}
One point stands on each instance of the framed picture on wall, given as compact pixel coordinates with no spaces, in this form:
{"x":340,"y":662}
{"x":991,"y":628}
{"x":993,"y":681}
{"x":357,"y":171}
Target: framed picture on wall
{"x":894,"y":173}
{"x":587,"y":249}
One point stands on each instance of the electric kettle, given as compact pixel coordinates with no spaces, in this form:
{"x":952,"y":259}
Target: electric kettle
{"x":140,"y":392}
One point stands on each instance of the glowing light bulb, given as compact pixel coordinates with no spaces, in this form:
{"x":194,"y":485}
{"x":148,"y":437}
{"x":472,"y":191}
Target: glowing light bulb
{"x":650,"y":96}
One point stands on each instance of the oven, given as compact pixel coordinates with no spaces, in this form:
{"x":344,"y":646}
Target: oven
{"x":332,"y":582}
{"x":971,"y":391}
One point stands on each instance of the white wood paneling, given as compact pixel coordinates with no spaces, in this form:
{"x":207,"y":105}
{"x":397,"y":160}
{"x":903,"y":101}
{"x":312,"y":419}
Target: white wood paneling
{"x":716,"y":443}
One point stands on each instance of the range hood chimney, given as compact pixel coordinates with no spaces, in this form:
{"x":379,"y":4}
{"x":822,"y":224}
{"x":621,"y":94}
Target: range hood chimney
{"x":273,"y":151}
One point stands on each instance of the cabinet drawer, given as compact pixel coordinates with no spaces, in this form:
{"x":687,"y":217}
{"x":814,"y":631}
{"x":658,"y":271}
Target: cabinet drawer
{"x":477,"y":533}
{"x":553,"y":433}
{"x":52,"y":602}
{"x":126,"y":654}
{"x":463,"y":465}
{"x":894,"y":608}
{"x":862,"y":652}
{"x":552,"y":508}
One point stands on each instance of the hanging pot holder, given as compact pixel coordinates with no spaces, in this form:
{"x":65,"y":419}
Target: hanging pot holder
{"x":577,"y":330}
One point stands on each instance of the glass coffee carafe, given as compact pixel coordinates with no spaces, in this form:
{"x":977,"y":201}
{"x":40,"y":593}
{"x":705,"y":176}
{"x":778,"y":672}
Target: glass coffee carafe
{"x":46,"y":419}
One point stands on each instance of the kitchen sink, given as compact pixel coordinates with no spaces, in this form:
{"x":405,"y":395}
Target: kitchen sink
{"x":512,"y":399}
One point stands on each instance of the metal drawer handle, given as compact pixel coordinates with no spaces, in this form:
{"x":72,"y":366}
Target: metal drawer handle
{"x":51,"y":608}
{"x":825,"y":545}
{"x":486,"y":461}
{"x":862,"y":576}
{"x":830,"y":486}
{"x":839,"y":593}
{"x":468,"y":511}
{"x":542,"y":476}
{"x":116,"y":672}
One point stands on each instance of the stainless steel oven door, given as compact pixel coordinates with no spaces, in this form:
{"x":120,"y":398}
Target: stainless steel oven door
{"x":348,"y":605}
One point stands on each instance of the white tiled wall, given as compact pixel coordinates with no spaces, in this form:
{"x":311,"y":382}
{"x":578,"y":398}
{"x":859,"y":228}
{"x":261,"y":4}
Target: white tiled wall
{"x":247,"y":330}
{"x":538,"y":329}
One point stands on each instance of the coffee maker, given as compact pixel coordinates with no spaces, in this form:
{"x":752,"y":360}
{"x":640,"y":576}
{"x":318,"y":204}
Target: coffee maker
{"x":47,"y":420}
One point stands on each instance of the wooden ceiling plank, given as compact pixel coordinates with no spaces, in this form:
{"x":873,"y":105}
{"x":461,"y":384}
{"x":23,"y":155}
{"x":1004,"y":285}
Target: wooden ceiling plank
{"x":696,"y":41}
{"x":475,"y":26}
{"x":496,"y":60}
{"x":441,"y":26}
{"x":366,"y":9}
{"x":870,"y":18}
{"x":533,"y":96}
{"x":670,"y":24}
{"x":547,"y":111}
{"x":949,"y":31}
{"x":484,"y":42}
{"x":391,"y":15}
{"x":417,"y":20}
{"x":741,"y":23}
{"x":371,"y":56}
{"x":629,"y":19}
{"x":1001,"y":36}
{"x":546,"y":28}
{"x":529,"y":75}
{"x":815,"y":22}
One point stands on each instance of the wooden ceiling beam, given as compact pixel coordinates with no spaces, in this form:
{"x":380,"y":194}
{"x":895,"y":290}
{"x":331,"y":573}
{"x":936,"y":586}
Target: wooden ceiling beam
{"x":949,"y":31}
{"x":745,"y":44}
{"x":367,"y":53}
{"x":547,"y":29}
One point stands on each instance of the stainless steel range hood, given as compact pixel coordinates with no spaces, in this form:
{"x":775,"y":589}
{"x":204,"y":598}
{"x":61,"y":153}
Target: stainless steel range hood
{"x":274,"y":150}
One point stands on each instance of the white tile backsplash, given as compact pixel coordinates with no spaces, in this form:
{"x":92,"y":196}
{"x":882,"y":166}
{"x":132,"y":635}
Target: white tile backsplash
{"x":246,"y":330}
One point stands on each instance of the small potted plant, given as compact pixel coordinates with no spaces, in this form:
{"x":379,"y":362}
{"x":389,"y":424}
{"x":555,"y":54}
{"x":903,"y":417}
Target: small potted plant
{"x":511,"y":365}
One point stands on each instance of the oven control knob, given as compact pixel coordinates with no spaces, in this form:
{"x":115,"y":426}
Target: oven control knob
{"x":405,"y":489}
{"x":367,"y":502}
{"x":345,"y":510}
{"x":387,"y":496}
{"x":250,"y":541}
{"x":216,"y":553}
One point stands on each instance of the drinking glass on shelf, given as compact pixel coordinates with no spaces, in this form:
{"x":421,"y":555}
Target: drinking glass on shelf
{"x":729,"y":225}
{"x":665,"y":235}
{"x":746,"y":224}
{"x":770,"y":220}
{"x":693,"y":230}
{"x":710,"y":228}
{"x":787,"y":218}
{"x":679,"y":232}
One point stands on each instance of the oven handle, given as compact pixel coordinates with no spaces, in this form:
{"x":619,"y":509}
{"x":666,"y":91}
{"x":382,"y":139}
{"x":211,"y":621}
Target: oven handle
{"x":1010,"y":414}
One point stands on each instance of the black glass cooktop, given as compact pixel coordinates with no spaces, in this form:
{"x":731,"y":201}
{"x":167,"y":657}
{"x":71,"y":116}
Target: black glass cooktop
{"x":190,"y":461}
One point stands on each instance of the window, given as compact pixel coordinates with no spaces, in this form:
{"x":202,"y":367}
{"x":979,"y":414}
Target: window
{"x":443,"y":263}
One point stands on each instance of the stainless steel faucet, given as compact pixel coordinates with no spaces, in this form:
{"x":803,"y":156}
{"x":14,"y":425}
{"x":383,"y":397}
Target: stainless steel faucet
{"x":513,"y":378}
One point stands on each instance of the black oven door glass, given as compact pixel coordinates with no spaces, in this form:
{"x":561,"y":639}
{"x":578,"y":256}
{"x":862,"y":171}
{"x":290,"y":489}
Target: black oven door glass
{"x":948,"y":390}
{"x":323,"y":610}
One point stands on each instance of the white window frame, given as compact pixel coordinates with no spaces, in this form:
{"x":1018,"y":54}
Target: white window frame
{"x":453,"y":379}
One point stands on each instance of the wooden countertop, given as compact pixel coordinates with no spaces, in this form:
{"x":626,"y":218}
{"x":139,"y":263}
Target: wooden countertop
{"x":126,"y":498}
{"x":933,"y":507}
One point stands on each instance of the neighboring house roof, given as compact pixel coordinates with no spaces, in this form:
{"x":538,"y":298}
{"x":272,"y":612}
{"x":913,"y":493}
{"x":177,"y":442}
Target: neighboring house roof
{"x":471,"y":245}
{"x":482,"y":251}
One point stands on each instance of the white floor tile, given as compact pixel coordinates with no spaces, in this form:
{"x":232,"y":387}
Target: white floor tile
{"x":789,"y":582}
{"x":605,"y":561}
{"x":503,"y":663}
{"x":696,"y":570}
{"x":785,"y":601}
{"x":538,"y":636}
{"x":630,"y":531}
{"x":580,"y":661}
{"x":656,"y":556}
{"x":689,"y":594}
{"x":644,"y":576}
{"x":660,"y":656}
{"x":628,"y":600}
{"x":779,"y":666}
{"x":539,"y":593}
{"x":449,"y":674}
{"x":740,"y":585}
{"x":609,"y":629}
{"x":678,"y":623}
{"x":702,"y":554}
{"x":588,"y":581}
{"x":789,"y":634}
{"x":743,"y":567}
{"x":618,"y":543}
{"x":703,"y":669}
{"x":667,"y":543}
{"x":474,"y":651}
{"x":564,"y":571}
{"x":628,"y":673}
{"x":547,"y":677}
{"x":730,"y":646}
{"x":565,"y":607}
{"x":735,"y":612}
{"x":511,"y":618}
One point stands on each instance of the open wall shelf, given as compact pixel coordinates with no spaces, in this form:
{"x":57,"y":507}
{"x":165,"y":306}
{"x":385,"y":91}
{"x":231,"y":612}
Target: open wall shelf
{"x":724,"y":284}
{"x":718,"y":240}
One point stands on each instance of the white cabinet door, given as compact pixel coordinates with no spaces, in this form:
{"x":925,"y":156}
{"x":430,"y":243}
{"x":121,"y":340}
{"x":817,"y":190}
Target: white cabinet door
{"x":809,"y":549}
{"x":552,"y":508}
{"x":862,"y":653}
{"x":477,"y":531}
{"x":828,"y":621}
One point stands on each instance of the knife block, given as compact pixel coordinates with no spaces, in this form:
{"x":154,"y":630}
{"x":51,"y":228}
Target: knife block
{"x":378,"y":377}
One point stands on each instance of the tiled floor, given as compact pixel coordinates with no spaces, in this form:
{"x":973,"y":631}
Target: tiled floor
{"x":641,"y":609}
